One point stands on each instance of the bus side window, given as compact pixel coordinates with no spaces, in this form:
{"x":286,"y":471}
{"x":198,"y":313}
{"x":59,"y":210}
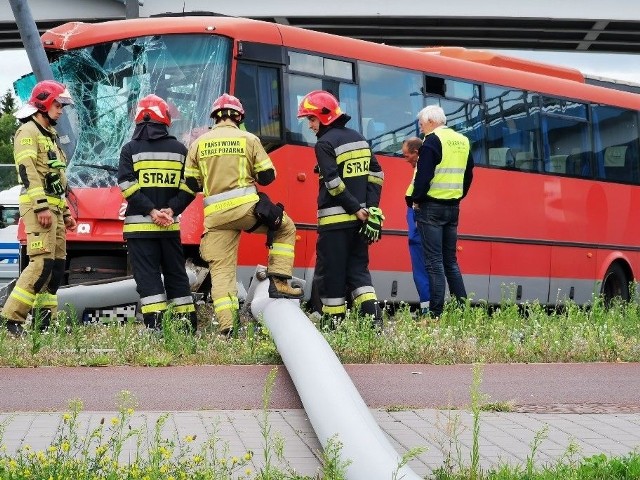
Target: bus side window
{"x":615,"y":132}
{"x":502,"y":157}
{"x":617,"y":164}
{"x":258,"y":88}
{"x":558,"y":164}
{"x":527,"y":162}
{"x":391,"y":99}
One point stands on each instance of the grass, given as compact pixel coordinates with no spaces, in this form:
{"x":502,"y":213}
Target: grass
{"x":465,"y":334}
{"x":119,"y":449}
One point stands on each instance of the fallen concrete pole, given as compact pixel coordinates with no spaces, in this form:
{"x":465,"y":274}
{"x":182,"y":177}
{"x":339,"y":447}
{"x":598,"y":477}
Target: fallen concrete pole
{"x":105,"y":294}
{"x":331,"y":401}
{"x":75,"y":299}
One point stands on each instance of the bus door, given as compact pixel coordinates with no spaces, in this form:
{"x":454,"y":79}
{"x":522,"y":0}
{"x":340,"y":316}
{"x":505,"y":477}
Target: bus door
{"x":258,"y":86}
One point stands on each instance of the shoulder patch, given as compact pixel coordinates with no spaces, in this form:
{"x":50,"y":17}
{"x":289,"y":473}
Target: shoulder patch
{"x":26,"y":141}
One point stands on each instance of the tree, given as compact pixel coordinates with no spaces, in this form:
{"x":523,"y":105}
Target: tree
{"x":8,"y":103}
{"x":8,"y":127}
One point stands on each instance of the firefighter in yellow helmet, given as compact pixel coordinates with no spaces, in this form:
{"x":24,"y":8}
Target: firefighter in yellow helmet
{"x":227,"y":163}
{"x":41,"y":167}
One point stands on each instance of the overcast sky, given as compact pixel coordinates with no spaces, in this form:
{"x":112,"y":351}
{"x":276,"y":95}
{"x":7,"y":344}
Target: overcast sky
{"x":620,"y":67}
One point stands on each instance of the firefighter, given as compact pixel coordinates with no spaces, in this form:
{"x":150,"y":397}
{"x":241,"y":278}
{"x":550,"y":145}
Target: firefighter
{"x":226,"y":163}
{"x":349,"y":219}
{"x":151,"y":178}
{"x":41,"y":167}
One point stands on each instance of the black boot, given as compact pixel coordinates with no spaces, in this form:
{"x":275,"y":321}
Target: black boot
{"x":15,"y":328}
{"x":372,"y":309}
{"x":193,"y":318}
{"x":41,"y":318}
{"x":152,"y":320}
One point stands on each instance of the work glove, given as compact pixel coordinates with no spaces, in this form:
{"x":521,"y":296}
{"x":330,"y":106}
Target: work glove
{"x":53,"y":161}
{"x":371,"y":230}
{"x":52,"y":184}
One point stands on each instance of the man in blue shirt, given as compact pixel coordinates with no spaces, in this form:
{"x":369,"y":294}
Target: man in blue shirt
{"x":410,"y":148}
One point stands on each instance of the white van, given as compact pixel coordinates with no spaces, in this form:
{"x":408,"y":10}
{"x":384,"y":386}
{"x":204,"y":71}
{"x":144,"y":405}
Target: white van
{"x":9,"y":247}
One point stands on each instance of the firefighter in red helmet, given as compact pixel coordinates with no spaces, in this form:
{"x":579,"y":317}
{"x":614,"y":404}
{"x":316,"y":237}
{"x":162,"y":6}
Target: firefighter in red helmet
{"x":227,"y":163}
{"x":41,"y":167}
{"x":349,"y":219}
{"x":151,"y":178}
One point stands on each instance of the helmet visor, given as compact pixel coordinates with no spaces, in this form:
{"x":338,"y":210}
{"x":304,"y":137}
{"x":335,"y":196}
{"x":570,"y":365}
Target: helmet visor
{"x":65,"y":98}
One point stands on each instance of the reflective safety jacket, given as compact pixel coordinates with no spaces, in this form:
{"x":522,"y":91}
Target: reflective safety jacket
{"x":409,"y":192}
{"x":151,"y":175}
{"x":226,"y":163}
{"x":350,"y":176}
{"x":445,"y":168}
{"x":41,"y":168}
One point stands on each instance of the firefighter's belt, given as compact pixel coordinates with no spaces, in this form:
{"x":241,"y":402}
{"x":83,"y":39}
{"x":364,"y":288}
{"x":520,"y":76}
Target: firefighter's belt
{"x":232,"y":198}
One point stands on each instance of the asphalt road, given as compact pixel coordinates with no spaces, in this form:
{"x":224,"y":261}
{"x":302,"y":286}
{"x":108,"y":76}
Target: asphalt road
{"x":557,"y":388}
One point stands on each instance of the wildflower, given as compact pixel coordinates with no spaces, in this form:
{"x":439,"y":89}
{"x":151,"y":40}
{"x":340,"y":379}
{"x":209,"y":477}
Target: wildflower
{"x":234,"y":460}
{"x":189,"y":438}
{"x":197,"y":459}
{"x":247,"y":472}
{"x":65,"y":446}
{"x":248,"y":455}
{"x":66,"y":417}
{"x":115,"y":421}
{"x":129,"y":411}
{"x":165,"y":452}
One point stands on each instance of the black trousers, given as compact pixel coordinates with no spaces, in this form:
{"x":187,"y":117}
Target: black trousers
{"x":151,"y":257}
{"x":342,"y":262}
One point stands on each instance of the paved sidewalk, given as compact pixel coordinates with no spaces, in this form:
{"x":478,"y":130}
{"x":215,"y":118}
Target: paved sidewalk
{"x":504,"y":437}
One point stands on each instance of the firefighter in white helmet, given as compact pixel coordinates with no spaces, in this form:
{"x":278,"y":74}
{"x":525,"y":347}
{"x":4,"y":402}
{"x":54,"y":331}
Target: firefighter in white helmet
{"x":151,"y":178}
{"x":41,"y":167}
{"x":227,"y":163}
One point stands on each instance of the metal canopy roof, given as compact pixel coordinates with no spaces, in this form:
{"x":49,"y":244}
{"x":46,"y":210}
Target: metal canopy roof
{"x":561,"y":25}
{"x":512,"y":33}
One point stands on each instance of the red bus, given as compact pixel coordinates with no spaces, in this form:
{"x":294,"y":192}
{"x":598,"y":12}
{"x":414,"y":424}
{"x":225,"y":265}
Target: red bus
{"x":551,"y":213}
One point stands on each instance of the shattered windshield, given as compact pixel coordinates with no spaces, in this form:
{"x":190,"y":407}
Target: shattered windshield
{"x":107,"y":80}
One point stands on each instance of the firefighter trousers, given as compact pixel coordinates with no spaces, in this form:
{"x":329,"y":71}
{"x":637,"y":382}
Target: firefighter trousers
{"x":151,"y":259}
{"x":342,"y":259}
{"x":38,"y":284}
{"x":219,"y":247}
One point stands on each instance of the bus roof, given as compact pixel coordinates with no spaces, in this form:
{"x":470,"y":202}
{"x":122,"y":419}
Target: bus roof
{"x":447,"y":61}
{"x":498,"y":60}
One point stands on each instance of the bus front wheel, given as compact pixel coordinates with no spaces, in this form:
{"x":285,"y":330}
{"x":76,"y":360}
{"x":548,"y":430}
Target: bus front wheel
{"x":615,"y":284}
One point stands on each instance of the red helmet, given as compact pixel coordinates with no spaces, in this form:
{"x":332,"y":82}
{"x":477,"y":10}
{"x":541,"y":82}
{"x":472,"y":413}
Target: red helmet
{"x":152,"y":108}
{"x":320,"y":104}
{"x":226,"y":102}
{"x":43,"y":96}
